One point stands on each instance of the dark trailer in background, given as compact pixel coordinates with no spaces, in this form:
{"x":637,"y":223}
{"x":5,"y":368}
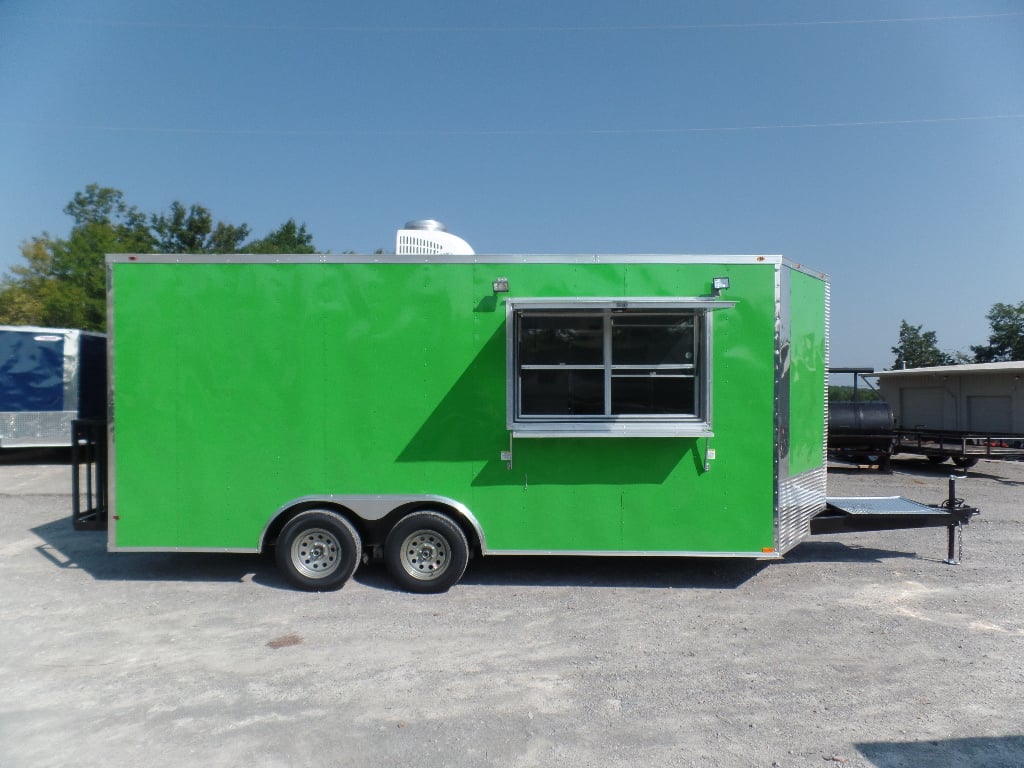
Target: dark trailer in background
{"x":861,"y":429}
{"x":49,"y":377}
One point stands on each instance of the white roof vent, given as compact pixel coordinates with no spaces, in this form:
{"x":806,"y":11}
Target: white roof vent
{"x":427,"y":237}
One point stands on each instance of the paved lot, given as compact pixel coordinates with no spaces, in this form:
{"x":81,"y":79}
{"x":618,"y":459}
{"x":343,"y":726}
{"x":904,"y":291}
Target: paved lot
{"x":857,"y":650}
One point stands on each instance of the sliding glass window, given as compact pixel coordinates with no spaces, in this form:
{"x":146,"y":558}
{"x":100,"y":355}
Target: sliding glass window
{"x":582,"y":368}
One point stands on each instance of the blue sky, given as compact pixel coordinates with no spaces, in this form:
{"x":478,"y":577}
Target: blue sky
{"x":880,"y":142}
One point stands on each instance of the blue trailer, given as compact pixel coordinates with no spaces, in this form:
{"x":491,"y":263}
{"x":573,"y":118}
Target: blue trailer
{"x":49,"y":377}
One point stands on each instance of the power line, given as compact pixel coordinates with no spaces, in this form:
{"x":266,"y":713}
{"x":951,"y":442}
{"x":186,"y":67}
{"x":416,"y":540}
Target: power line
{"x":381,"y":29}
{"x":636,"y":131}
{"x":837,"y":124}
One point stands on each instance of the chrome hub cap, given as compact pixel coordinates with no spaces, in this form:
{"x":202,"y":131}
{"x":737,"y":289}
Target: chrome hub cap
{"x":316,"y":553}
{"x":425,"y":555}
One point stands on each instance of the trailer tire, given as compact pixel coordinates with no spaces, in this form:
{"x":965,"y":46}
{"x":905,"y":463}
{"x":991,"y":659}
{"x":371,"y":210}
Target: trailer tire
{"x":965,"y":462}
{"x":426,"y":552}
{"x":318,"y":551}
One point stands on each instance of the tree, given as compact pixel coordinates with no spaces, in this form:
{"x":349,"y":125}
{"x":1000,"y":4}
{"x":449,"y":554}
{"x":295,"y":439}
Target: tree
{"x":918,"y":350}
{"x":105,"y":205}
{"x":1006,"y":341}
{"x":288,"y":238}
{"x":62,"y":283}
{"x":193,"y":231}
{"x":843,"y":392}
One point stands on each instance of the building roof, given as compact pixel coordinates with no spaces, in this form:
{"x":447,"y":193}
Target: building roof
{"x":1014,"y":367}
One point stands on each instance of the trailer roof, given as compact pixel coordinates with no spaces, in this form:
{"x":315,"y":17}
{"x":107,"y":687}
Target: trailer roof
{"x":390,"y":258}
{"x":48,"y":329}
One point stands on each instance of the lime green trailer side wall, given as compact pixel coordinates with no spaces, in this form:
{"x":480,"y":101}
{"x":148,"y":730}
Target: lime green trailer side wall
{"x":808,"y":372}
{"x":241,"y":387}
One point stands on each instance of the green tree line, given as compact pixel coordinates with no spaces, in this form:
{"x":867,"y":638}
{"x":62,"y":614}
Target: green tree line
{"x":62,"y":282}
{"x":918,"y":348}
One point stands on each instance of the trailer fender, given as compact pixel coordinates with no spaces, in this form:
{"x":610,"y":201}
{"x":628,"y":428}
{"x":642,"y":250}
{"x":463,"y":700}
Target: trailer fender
{"x":371,"y":508}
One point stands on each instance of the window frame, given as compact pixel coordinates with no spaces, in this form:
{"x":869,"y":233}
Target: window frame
{"x":613,"y":425}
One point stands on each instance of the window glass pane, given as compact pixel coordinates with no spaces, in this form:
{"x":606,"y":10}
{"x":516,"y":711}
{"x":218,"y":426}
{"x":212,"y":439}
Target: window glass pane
{"x":643,"y":393}
{"x":566,"y":361}
{"x":560,"y":340}
{"x":653,"y":339}
{"x":30,"y":371}
{"x":562,"y":393}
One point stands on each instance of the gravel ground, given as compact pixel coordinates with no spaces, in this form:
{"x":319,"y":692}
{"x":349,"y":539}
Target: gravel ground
{"x":856,"y":650}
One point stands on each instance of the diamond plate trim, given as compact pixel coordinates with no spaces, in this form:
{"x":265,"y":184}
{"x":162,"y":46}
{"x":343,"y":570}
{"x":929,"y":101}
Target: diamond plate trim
{"x":800,"y":498}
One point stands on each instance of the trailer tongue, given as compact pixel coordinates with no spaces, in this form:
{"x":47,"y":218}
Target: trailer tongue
{"x":890,"y":513}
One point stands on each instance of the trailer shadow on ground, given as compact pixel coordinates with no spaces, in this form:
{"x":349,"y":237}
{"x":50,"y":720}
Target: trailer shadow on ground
{"x":914,"y":467}
{"x":593,"y":572}
{"x":65,"y":548}
{"x":822,"y":551}
{"x":922,"y":468}
{"x":980,"y":752}
{"x":20,"y":456}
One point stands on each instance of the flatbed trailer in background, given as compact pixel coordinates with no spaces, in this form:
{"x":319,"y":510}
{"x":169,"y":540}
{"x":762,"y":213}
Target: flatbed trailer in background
{"x":965,"y":449}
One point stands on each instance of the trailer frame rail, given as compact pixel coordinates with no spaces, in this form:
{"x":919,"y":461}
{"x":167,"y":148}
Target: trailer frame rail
{"x":965,"y":445}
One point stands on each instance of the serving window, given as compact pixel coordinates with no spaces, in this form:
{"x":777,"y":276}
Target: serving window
{"x":630,"y":368}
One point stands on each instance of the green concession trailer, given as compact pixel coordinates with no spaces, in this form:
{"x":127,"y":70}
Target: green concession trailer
{"x":426,"y":409}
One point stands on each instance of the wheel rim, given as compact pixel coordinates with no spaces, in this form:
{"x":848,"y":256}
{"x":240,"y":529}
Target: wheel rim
{"x":425,"y":555}
{"x":316,"y":553}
